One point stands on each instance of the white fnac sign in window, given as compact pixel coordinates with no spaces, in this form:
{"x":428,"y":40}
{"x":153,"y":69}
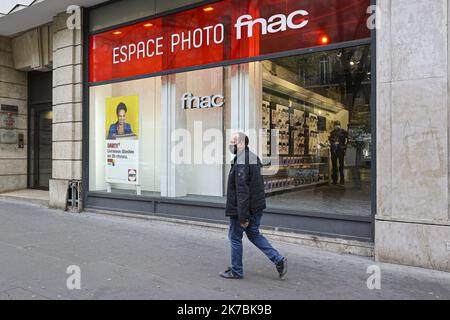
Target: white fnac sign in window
{"x":189,"y":101}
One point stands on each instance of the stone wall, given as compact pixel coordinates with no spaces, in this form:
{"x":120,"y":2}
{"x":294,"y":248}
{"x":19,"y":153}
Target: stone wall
{"x":13,"y":91}
{"x":67,"y":108}
{"x":412,"y":222}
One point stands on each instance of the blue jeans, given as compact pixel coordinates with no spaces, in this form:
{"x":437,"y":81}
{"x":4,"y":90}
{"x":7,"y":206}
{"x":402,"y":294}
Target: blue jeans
{"x":235,"y":235}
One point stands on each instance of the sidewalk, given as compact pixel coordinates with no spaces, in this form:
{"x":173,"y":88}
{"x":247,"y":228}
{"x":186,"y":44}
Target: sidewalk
{"x":125,"y":258}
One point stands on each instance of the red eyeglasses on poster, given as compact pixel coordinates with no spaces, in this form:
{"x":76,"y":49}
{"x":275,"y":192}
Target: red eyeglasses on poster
{"x":224,"y":31}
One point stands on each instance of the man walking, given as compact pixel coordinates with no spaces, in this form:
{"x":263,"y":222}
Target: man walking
{"x":245,"y":204}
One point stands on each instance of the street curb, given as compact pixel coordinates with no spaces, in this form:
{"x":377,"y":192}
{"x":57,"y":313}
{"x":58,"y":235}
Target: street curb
{"x":336,"y":245}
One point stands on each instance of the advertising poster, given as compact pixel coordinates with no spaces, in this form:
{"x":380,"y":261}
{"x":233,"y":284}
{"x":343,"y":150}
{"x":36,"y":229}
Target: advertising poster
{"x":122,"y":140}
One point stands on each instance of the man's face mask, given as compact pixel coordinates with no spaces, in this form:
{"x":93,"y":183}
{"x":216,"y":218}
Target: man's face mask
{"x":233,"y":148}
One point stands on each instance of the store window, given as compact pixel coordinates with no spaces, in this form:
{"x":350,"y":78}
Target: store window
{"x":125,"y":137}
{"x":308,"y":118}
{"x":160,"y":136}
{"x":195,"y":117}
{"x":317,"y":109}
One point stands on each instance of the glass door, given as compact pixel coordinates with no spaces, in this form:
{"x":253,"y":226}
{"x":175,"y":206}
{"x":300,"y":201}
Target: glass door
{"x":41,"y":147}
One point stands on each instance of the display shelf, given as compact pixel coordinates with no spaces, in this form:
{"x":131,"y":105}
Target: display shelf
{"x":300,"y":162}
{"x":298,"y":166}
{"x":298,"y":187}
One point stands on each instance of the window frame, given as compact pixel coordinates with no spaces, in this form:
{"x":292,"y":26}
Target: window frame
{"x":344,"y":225}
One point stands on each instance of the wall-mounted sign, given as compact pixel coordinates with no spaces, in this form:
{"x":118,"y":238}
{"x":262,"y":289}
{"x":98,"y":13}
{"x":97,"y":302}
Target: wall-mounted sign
{"x":8,"y":116}
{"x":8,"y":120}
{"x":227,"y":30}
{"x":9,"y":108}
{"x":189,"y":101}
{"x":8,"y":136}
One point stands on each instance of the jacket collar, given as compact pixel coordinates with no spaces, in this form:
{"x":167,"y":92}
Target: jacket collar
{"x":244,"y":156}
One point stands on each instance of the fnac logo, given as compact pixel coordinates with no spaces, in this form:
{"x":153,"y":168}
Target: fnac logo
{"x":276,"y":23}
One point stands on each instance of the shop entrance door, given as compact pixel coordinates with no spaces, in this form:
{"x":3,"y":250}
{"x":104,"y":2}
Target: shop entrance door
{"x":40,"y":118}
{"x":42,"y":147}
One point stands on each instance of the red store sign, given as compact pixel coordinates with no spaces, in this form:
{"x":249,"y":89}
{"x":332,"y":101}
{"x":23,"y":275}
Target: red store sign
{"x":224,"y":31}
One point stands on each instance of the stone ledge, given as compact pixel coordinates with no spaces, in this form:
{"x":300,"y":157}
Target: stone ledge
{"x":413,"y":221}
{"x":29,"y":196}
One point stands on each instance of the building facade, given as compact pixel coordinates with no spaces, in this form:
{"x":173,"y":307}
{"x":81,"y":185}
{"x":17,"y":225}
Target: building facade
{"x":133,"y":103}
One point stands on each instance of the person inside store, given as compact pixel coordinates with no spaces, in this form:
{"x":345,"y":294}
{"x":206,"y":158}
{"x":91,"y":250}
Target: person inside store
{"x":245,"y":204}
{"x":120,"y":128}
{"x":338,"y":145}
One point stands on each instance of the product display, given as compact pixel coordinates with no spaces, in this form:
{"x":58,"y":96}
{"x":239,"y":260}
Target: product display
{"x":296,"y":120}
{"x":266,"y":115}
{"x":298,"y":132}
{"x":313,"y":142}
{"x":266,"y":125}
{"x":295,"y":145}
{"x":298,"y":138}
{"x":280,"y":123}
{"x":312,"y":122}
{"x":297,"y":172}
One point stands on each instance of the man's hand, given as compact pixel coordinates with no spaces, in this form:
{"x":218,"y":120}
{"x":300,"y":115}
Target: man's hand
{"x":244,"y":224}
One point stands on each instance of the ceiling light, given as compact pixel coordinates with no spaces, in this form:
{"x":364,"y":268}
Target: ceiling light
{"x":324,"y":40}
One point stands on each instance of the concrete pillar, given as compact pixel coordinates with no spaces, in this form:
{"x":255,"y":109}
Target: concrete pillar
{"x":412,"y":222}
{"x":67,"y":109}
{"x":246,"y":98}
{"x":173,"y":175}
{"x":13,"y":91}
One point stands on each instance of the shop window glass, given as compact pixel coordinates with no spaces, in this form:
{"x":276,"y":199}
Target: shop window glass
{"x":290,"y":106}
{"x":314,"y":165}
{"x":196,"y":137}
{"x":125,"y":137}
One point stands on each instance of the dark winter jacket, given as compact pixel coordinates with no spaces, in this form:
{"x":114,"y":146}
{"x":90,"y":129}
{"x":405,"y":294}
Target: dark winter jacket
{"x":245,"y":189}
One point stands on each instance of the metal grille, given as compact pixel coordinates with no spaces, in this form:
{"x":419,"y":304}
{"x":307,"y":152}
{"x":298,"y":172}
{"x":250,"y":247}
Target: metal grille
{"x":74,"y":197}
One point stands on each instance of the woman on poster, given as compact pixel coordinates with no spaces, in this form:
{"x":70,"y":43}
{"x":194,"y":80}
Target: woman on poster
{"x":120,"y":128}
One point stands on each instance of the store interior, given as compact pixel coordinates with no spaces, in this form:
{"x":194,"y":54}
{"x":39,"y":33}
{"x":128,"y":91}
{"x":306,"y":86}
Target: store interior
{"x":303,"y":98}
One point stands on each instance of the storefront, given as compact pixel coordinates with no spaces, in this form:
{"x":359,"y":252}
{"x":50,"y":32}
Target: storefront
{"x":162,"y":95}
